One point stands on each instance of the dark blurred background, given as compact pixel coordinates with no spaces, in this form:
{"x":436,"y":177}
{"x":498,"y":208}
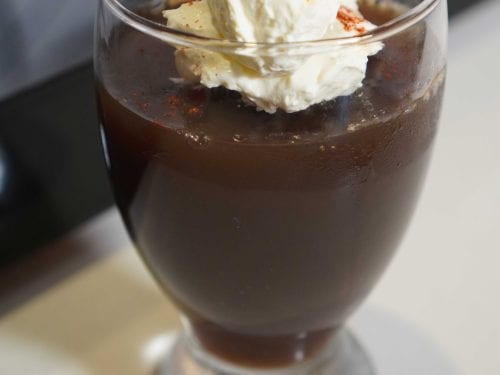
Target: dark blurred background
{"x":52,"y":174}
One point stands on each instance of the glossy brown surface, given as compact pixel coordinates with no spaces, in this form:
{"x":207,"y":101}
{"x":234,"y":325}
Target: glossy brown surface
{"x":267,"y":230}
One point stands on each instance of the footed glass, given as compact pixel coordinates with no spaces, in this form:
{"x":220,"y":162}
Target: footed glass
{"x":267,"y":230}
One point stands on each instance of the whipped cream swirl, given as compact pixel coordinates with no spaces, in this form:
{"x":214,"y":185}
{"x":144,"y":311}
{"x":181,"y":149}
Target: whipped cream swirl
{"x":289,"y":81}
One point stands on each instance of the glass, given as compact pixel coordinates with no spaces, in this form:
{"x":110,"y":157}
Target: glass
{"x":267,"y":230}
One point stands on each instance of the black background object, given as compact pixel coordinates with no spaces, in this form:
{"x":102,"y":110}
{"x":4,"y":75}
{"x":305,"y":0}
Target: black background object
{"x":51,"y":162}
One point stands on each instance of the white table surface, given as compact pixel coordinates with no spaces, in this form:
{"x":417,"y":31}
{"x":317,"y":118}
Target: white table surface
{"x":442,"y":292}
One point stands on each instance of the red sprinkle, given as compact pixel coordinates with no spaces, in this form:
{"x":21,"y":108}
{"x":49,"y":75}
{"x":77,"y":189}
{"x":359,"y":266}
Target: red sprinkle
{"x":350,"y":20}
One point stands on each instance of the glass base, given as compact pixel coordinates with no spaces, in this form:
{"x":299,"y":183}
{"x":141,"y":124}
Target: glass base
{"x":342,"y":356}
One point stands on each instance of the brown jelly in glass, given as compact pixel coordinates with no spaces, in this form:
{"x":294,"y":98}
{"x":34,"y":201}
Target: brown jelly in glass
{"x":268,"y":230}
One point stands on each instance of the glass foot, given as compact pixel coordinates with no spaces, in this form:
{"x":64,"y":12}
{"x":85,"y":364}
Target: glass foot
{"x":342,"y":356}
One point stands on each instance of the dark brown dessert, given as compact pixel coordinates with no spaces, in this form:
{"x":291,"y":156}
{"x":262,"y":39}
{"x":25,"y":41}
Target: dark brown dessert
{"x":268,"y":230}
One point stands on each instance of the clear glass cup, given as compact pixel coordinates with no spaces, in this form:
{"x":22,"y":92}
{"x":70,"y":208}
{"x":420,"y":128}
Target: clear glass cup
{"x":267,"y":230}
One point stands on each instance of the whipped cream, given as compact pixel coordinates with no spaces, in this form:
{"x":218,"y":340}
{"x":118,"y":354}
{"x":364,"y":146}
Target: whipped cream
{"x":291,"y":82}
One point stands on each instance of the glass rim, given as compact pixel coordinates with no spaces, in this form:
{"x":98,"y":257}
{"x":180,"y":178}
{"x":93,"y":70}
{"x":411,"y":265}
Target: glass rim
{"x":182,"y":39}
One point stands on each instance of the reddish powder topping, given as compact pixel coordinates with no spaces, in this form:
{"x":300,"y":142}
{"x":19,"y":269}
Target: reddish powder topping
{"x":350,"y":20}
